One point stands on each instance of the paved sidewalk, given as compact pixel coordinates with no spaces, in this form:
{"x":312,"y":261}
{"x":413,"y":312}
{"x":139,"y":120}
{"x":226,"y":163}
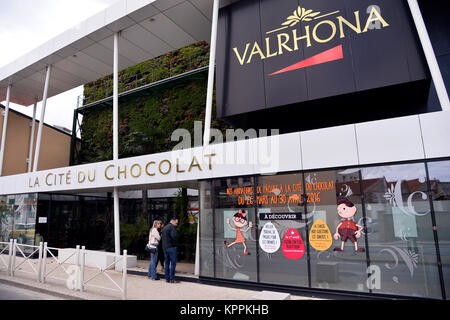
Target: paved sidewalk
{"x":139,"y":287}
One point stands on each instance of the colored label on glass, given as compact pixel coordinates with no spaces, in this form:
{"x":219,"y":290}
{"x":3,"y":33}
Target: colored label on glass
{"x":293,"y":246}
{"x":269,"y":240}
{"x":320,"y":236}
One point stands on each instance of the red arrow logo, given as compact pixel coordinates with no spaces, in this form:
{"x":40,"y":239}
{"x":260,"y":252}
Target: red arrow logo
{"x":330,"y":55}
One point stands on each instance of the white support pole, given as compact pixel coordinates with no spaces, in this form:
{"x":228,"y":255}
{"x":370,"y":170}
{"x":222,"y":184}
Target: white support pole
{"x":83,"y":262}
{"x":13,"y":264}
{"x":116,"y":222}
{"x":197,"y":248}
{"x":429,"y":54}
{"x":10,"y":253}
{"x":44,"y":263}
{"x":211,"y":72}
{"x":124,"y":274}
{"x":5,"y":124}
{"x":209,"y":102}
{"x":77,"y":268}
{"x":116,"y":141}
{"x":116,"y":98}
{"x":41,"y":121}
{"x":33,"y":126}
{"x":41,"y":247}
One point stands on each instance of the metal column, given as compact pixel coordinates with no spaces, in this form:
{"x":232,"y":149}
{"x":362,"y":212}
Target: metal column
{"x":33,"y":125}
{"x":5,"y":124}
{"x":209,"y":102}
{"x":116,"y":140}
{"x":429,"y":54}
{"x":211,"y":72}
{"x":73,"y":139}
{"x":41,"y":121}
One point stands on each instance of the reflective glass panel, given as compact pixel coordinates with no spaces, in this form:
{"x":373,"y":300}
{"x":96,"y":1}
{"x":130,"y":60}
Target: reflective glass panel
{"x":282,"y":255}
{"x":400,"y":232}
{"x":439,"y":173}
{"x":335,"y":223}
{"x":206,"y":230}
{"x":235,"y":236}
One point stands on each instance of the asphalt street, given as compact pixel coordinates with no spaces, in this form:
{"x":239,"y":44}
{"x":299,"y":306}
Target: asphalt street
{"x":8,"y":292}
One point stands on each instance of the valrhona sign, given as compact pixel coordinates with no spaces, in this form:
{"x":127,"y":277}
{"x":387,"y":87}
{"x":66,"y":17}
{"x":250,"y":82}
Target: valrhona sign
{"x":278,"y":52}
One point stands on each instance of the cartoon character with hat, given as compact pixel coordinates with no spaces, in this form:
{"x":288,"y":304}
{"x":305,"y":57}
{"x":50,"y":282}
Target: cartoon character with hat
{"x":347,"y":229}
{"x":240,"y":221}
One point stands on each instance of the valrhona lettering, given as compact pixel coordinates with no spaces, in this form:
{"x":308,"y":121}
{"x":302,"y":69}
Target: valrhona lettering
{"x":291,"y":41}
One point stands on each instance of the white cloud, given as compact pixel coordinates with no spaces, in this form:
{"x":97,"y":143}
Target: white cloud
{"x":26,"y":24}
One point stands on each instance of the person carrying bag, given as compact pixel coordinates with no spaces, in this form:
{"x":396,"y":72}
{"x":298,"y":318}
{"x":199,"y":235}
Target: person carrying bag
{"x":152,"y":248}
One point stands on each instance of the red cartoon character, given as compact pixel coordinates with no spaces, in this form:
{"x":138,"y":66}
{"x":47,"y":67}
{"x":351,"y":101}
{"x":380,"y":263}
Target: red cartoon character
{"x":240,"y":221}
{"x":347,"y":229}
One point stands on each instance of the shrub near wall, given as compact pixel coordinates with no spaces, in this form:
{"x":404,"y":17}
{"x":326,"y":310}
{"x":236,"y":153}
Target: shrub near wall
{"x":173,"y":63}
{"x":147,"y":122}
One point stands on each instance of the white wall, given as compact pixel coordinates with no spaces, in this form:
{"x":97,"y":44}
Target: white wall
{"x":399,"y":139}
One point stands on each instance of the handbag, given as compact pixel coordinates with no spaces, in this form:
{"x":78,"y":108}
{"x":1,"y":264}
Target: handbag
{"x":150,"y":248}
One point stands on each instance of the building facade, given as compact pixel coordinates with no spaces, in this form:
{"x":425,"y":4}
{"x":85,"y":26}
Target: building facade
{"x":363,"y":109}
{"x":19,"y":212}
{"x":351,"y":195}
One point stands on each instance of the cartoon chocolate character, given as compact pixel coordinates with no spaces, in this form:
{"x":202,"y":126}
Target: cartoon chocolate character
{"x":240,"y":221}
{"x":347,"y":229}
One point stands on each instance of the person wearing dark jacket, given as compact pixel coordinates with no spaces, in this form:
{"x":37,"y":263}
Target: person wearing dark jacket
{"x":169,"y":244}
{"x":160,"y":250}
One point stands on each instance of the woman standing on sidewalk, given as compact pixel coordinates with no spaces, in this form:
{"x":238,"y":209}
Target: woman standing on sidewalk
{"x":154,"y":239}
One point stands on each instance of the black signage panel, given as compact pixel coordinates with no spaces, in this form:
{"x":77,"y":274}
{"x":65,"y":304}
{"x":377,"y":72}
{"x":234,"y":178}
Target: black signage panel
{"x":281,"y":216}
{"x":252,"y":80}
{"x":335,"y":77}
{"x":273,"y":53}
{"x":276,"y":91}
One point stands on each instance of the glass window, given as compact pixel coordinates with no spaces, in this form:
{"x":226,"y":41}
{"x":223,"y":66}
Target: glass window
{"x":439,"y":173}
{"x":18,"y":219}
{"x":282,"y":257}
{"x":399,"y":229}
{"x":206,"y":230}
{"x":336,"y":237}
{"x":234,"y":233}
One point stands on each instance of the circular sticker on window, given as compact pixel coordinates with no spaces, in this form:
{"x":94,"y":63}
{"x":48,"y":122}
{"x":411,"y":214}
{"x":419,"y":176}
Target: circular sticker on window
{"x":320,"y":236}
{"x":269,"y":240}
{"x":293,"y":246}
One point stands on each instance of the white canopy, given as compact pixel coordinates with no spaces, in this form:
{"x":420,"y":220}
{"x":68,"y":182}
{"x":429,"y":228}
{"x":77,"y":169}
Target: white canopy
{"x":84,"y":53}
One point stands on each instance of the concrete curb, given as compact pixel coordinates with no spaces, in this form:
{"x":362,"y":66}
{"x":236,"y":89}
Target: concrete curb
{"x":40,"y":290}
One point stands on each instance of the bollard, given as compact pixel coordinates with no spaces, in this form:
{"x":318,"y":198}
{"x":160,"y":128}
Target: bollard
{"x":10,"y":250}
{"x":77,"y":269}
{"x":124,"y":275}
{"x":83,"y":257}
{"x":44,"y":262}
{"x":13,"y":265}
{"x":39,"y":263}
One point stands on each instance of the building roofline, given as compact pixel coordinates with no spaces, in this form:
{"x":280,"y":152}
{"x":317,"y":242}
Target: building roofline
{"x":37,"y":121}
{"x":84,"y":53}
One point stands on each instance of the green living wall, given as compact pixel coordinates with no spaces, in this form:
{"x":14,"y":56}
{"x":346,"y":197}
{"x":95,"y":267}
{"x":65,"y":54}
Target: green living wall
{"x":146,"y":121}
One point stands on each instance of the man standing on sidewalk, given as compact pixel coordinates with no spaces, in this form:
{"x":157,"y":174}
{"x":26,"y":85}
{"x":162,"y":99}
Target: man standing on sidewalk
{"x":169,"y":244}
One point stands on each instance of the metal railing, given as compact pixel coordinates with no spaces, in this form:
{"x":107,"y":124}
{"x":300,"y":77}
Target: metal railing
{"x":5,"y":264}
{"x":17,"y":248}
{"x":122,"y":290}
{"x":75,"y":272}
{"x":60,"y":263}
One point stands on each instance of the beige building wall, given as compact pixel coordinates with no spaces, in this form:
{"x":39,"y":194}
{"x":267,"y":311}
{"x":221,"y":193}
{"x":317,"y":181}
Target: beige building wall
{"x":55,"y":145}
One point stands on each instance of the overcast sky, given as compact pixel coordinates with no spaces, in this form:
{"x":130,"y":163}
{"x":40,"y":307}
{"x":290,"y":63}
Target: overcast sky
{"x":26,"y":24}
